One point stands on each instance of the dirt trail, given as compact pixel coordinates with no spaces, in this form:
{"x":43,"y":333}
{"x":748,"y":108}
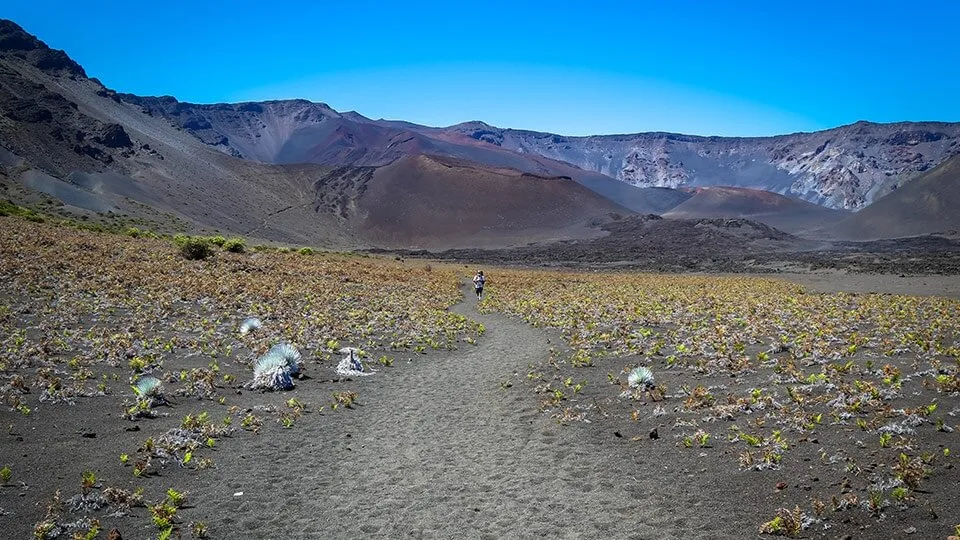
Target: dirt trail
{"x":438,"y":449}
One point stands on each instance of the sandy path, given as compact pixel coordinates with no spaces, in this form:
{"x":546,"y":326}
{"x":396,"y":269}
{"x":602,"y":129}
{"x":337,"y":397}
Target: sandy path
{"x":438,"y":449}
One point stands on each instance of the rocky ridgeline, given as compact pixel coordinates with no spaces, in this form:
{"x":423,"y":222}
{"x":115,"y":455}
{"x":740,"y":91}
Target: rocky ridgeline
{"x":253,"y":130}
{"x":14,"y":41}
{"x":847,"y":167}
{"x":38,"y":122}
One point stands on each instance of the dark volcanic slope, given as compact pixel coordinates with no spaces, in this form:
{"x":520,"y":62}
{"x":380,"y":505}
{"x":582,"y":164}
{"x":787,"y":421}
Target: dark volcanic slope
{"x":286,"y":131}
{"x":652,"y":243}
{"x":432,"y":201}
{"x":68,"y":136}
{"x":784,"y":213}
{"x":929,"y":204}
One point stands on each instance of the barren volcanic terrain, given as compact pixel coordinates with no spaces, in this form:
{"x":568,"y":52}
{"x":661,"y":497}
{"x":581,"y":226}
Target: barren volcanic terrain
{"x":139,"y":395}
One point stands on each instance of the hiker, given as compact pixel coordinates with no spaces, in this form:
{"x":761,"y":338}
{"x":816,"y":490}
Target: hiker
{"x":478,"y":281}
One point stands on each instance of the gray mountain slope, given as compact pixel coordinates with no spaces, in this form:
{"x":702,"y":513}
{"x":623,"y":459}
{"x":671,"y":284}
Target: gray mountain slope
{"x":846,"y":167}
{"x":929,"y":204}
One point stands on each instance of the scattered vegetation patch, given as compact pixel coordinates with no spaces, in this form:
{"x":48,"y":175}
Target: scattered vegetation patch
{"x":759,"y":373}
{"x":751,"y":372}
{"x":127,"y":318}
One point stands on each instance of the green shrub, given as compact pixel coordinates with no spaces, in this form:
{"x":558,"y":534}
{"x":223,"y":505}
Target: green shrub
{"x":140,"y":233}
{"x":180,"y":240}
{"x":217,"y":240}
{"x":92,"y":227}
{"x":235,"y":245}
{"x":305,"y":251}
{"x":195,"y":249}
{"x":8,"y":208}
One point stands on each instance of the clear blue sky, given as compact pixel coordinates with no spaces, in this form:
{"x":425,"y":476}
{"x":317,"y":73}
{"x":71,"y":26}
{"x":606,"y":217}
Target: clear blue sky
{"x":590,"y":67}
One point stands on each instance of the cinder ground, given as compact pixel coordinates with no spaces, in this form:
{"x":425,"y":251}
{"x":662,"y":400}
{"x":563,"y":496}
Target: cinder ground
{"x":438,"y":449}
{"x":452,"y":445}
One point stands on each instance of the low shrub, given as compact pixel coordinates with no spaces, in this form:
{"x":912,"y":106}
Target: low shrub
{"x":235,"y":245}
{"x":8,"y":208}
{"x":134,"y":232}
{"x":195,"y":249}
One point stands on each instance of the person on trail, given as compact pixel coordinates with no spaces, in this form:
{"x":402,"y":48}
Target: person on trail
{"x":478,"y":281}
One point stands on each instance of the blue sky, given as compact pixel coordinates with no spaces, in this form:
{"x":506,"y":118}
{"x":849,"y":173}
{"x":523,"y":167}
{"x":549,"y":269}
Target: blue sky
{"x":576,"y":68}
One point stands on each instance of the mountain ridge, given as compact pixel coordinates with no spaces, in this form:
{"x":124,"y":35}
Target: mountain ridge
{"x":180,"y":157}
{"x":846,"y":167}
{"x":67,"y":136}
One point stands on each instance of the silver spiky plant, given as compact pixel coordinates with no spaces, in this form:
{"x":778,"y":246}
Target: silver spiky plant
{"x":269,"y":362}
{"x":291,"y":355}
{"x":350,"y":365}
{"x":149,"y":392}
{"x":271,"y":373}
{"x":640,"y":377}
{"x":249,"y":325}
{"x":148,"y":387}
{"x":276,"y":369}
